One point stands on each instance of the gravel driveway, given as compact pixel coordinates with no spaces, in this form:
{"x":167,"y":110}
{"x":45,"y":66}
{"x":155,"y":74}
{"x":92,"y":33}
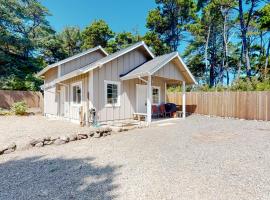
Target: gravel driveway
{"x":22,"y":129}
{"x":196,"y":158}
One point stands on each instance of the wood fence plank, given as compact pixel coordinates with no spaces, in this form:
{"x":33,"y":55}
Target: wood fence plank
{"x":243,"y":105}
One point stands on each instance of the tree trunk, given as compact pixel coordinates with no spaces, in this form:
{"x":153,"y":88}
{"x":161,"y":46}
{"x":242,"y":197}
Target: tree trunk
{"x":240,"y":63}
{"x":244,"y":38}
{"x":206,"y":49}
{"x":266,"y":60}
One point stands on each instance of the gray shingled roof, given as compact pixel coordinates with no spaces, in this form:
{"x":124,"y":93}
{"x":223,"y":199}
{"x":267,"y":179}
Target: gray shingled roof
{"x":149,"y":67}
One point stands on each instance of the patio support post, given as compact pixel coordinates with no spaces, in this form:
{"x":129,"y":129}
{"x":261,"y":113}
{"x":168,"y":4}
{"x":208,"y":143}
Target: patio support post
{"x":149,"y":99}
{"x":184,"y":99}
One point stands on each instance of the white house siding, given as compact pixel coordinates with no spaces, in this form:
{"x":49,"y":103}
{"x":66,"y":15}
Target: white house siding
{"x":81,"y":62}
{"x":50,"y":75}
{"x":51,"y":101}
{"x":111,"y":71}
{"x":170,"y":71}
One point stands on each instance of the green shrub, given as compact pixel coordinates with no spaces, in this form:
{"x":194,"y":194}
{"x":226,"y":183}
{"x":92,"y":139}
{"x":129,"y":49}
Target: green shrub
{"x":19,"y":108}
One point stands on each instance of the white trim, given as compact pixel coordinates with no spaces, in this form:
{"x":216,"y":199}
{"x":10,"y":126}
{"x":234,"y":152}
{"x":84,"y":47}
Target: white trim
{"x":59,"y":68}
{"x":71,"y":58}
{"x":149,"y":99}
{"x":91,"y":89}
{"x":156,"y":87}
{"x":165,"y":93}
{"x":186,"y":68}
{"x":79,"y":83}
{"x":184,"y":99}
{"x":106,"y":82}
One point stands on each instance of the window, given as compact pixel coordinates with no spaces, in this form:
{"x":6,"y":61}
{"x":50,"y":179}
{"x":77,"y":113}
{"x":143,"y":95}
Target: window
{"x":112,"y":91}
{"x":77,"y":93}
{"x":155,"y":95}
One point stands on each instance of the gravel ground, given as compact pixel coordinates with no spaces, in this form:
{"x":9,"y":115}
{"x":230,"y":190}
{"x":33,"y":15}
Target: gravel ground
{"x":22,"y":129}
{"x":196,"y":158}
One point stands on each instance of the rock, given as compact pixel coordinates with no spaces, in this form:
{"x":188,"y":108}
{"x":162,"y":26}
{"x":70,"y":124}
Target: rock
{"x":47,"y":138}
{"x":35,"y":141}
{"x":108,"y":129}
{"x":116,"y":129}
{"x":9,"y":151}
{"x":65,"y":138}
{"x":2,"y":151}
{"x":81,"y":136}
{"x":92,"y":133}
{"x":72,"y":137}
{"x":48,"y":142}
{"x":98,"y":135}
{"x":11,"y":146}
{"x":40,"y":144}
{"x":59,"y":142}
{"x":54,"y":138}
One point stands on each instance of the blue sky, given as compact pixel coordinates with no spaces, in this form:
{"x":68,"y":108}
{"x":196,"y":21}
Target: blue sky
{"x":121,"y":15}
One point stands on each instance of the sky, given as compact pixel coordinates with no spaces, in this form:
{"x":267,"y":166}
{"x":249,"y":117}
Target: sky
{"x":121,"y":15}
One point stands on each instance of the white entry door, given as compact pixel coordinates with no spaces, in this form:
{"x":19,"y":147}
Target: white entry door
{"x":141,"y":97}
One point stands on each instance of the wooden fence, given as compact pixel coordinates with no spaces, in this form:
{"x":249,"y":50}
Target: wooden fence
{"x":32,"y":99}
{"x":243,"y":105}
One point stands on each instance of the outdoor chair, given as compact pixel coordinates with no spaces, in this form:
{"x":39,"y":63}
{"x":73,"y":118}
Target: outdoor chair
{"x":170,"y":109}
{"x":163,"y":112}
{"x":155,"y":112}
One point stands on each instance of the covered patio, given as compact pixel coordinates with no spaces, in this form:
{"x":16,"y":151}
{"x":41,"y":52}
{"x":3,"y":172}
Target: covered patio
{"x":167,"y":69}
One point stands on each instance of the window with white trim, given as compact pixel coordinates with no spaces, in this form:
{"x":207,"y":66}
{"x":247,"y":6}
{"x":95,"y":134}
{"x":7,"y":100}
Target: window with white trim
{"x":76,"y":93}
{"x":112,"y":93}
{"x":155,"y":95}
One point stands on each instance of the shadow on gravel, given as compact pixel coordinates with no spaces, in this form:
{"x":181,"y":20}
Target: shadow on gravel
{"x":40,"y":178}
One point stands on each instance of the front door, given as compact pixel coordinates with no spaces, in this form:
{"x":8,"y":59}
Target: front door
{"x":141,"y":97}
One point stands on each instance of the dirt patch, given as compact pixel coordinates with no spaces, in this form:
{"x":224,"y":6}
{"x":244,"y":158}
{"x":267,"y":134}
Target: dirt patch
{"x":213,"y":137}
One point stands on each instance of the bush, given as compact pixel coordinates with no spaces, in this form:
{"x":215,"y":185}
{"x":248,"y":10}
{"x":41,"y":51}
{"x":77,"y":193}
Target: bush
{"x":19,"y":108}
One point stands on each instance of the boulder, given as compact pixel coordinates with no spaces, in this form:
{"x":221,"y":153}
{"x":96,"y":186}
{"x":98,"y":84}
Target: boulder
{"x":9,"y":151}
{"x":81,"y":136}
{"x":11,"y":146}
{"x":65,"y":138}
{"x":98,"y":135}
{"x":40,"y":144}
{"x":72,"y":137}
{"x":59,"y":142}
{"x":92,"y":133}
{"x":48,"y":142}
{"x":47,"y":138}
{"x":2,"y":150}
{"x":35,"y":141}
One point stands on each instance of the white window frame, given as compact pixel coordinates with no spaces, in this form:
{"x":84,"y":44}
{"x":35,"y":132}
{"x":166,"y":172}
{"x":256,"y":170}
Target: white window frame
{"x":156,"y":87}
{"x":72,"y":85}
{"x":106,"y":82}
